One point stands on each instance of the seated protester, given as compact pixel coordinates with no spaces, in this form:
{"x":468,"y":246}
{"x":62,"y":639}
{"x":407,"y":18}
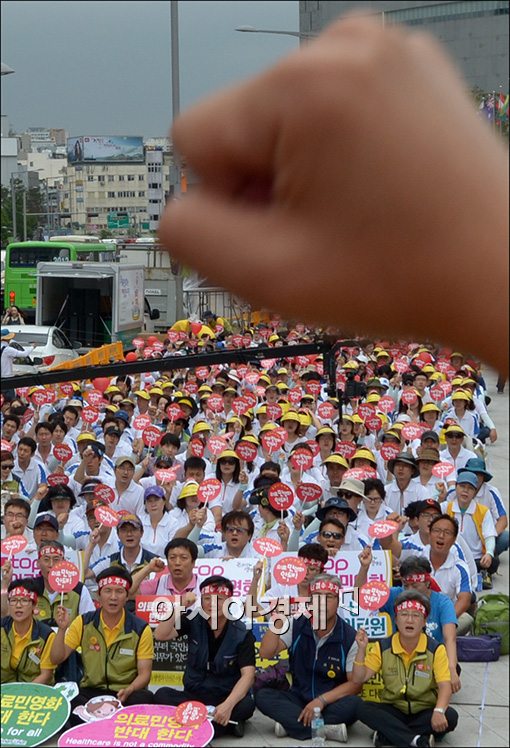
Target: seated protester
{"x":116,"y":647}
{"x":315,"y":557}
{"x":15,"y":519}
{"x":475,"y":525}
{"x":454,"y":451}
{"x":122,"y":421}
{"x":169,"y":448}
{"x":414,"y":545}
{"x":26,"y":642}
{"x":402,"y":491}
{"x":415,"y":573}
{"x":270,"y":523}
{"x":156,"y":519}
{"x":43,"y":432}
{"x":103,"y":542}
{"x":128,"y":494}
{"x":194,"y":469}
{"x":373,"y":506}
{"x":189,"y":512}
{"x":8,"y":481}
{"x":72,"y":413}
{"x":10,"y":427}
{"x":84,"y":440}
{"x":112,"y":447}
{"x":292,"y":474}
{"x":132,"y":555}
{"x":426,"y":482}
{"x":320,"y":662}
{"x":27,"y":468}
{"x":92,"y":465}
{"x":60,"y":501}
{"x":489,"y":496}
{"x":220,"y":667}
{"x":234,"y":541}
{"x":233,"y":482}
{"x":334,"y":468}
{"x":411,"y":708}
{"x":78,"y":600}
{"x":177,"y":579}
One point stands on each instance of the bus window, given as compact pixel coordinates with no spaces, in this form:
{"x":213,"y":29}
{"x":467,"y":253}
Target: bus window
{"x":28,"y":257}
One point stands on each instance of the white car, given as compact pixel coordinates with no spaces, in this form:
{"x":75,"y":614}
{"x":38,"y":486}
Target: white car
{"x":52,"y":347}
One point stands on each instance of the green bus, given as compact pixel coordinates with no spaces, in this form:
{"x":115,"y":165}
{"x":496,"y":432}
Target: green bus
{"x":21,"y":260}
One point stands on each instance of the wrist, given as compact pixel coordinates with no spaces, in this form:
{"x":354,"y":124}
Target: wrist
{"x":439,"y":709}
{"x":323,"y":701}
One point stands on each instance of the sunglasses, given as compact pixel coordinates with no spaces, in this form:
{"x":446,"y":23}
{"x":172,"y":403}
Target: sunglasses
{"x":454,"y":436}
{"x":228,"y":461}
{"x":348,"y":495}
{"x":4,"y":466}
{"x":335,"y":535}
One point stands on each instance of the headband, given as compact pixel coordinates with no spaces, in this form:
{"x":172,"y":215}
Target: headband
{"x":411,"y":605}
{"x":326,"y":586}
{"x":423,"y":577}
{"x":51,"y":550}
{"x":313,"y":562}
{"x":117,"y":581}
{"x":216,"y":589}
{"x":23,"y":592}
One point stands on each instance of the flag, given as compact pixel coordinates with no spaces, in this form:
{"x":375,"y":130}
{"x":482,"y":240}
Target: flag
{"x":502,"y":105}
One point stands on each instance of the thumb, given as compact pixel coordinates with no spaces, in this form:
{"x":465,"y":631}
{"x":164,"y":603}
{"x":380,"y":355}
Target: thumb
{"x":215,"y":236}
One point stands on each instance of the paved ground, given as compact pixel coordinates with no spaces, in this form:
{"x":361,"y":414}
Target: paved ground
{"x":482,"y":702}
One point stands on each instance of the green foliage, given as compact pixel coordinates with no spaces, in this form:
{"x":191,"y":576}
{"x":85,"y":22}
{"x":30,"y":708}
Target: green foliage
{"x":34,"y":204}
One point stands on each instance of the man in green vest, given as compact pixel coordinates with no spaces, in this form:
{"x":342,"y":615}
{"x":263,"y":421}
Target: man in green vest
{"x":117,"y":648}
{"x":414,"y":706}
{"x":25,"y":641}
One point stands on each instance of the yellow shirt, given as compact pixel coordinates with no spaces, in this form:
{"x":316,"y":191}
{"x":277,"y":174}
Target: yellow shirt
{"x":373,"y":659}
{"x":21,"y":642}
{"x":182,"y":325}
{"x":75,"y":631}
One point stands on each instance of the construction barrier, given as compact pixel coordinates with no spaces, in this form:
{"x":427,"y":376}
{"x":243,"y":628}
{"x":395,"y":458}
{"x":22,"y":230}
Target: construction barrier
{"x":104,"y":355}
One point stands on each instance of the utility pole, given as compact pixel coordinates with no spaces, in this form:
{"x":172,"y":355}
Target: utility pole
{"x":177,"y":165}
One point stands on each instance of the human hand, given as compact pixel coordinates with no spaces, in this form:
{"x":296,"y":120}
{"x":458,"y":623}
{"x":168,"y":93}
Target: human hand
{"x":307,"y":713}
{"x":156,"y":564}
{"x":493,"y":435}
{"x":455,"y":679}
{"x":124,"y":694}
{"x":279,"y":198}
{"x":222,"y":713}
{"x":283,"y":532}
{"x":365,"y":557}
{"x":485,"y":561}
{"x":62,"y":618}
{"x":257,"y":571}
{"x":62,"y":519}
{"x":6,"y":574}
{"x":298,"y":520}
{"x":41,"y":492}
{"x":362,"y":641}
{"x":438,"y":722}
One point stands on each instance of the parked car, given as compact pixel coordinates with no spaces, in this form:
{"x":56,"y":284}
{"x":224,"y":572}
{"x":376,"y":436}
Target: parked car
{"x":52,"y":347}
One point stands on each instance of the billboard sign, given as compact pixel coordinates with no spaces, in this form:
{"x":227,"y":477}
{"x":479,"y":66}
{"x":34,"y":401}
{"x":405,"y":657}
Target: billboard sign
{"x":108,"y":149}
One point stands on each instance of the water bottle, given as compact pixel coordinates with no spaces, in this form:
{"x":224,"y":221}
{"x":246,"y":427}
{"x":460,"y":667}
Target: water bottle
{"x":318,"y":729}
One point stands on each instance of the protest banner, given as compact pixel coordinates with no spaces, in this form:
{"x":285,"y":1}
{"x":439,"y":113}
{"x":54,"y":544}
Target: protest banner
{"x":26,"y":566}
{"x":31,"y":713}
{"x":142,"y":726}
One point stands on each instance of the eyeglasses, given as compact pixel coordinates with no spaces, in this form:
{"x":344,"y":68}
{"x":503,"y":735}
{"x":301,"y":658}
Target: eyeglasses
{"x":227,"y":461}
{"x":440,"y":531}
{"x":373,"y":499}
{"x":335,"y":535}
{"x":15,"y":515}
{"x":454,"y":436}
{"x":7,"y":467}
{"x":240,"y":530}
{"x":348,"y":495}
{"x":19,"y":601}
{"x":429,"y":515}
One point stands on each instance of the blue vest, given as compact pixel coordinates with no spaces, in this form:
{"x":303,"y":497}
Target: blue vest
{"x":224,"y":671}
{"x":317,"y":670}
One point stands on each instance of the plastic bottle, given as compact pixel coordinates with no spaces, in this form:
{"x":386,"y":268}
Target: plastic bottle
{"x":318,"y":728}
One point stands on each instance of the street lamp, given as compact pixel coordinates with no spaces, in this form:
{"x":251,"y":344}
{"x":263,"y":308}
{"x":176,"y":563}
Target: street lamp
{"x":297,"y":34}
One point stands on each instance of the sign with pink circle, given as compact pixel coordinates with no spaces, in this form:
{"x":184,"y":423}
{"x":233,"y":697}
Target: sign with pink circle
{"x":64,"y":577}
{"x":215,"y":403}
{"x":106,"y":516}
{"x":160,"y":726}
{"x":174,"y":411}
{"x":246,"y":451}
{"x":57,"y":479}
{"x":165,"y":475}
{"x":327,"y":411}
{"x":274,"y":411}
{"x":271,"y":442}
{"x":373,"y":595}
{"x":386,"y":404}
{"x":191,"y":713}
{"x":13,"y":545}
{"x":104,"y":493}
{"x":239,"y":406}
{"x":308,"y":492}
{"x":62,"y":452}
{"x":216,"y":445}
{"x":443,"y":469}
{"x":268,"y":547}
{"x":289,"y":571}
{"x":374,"y":423}
{"x":383,"y":528}
{"x":346,"y":449}
{"x":89,"y":414}
{"x":389,"y":451}
{"x":412,"y":431}
{"x":209,"y":490}
{"x":196,"y":447}
{"x":409,"y":397}
{"x":301,"y":459}
{"x":141,"y":422}
{"x":151,"y":436}
{"x":295,"y":395}
{"x":281,"y":496}
{"x":366,"y":410}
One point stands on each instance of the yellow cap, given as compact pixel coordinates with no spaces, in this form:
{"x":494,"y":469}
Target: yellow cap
{"x":347,"y":417}
{"x":397,"y":426}
{"x":456,"y":353}
{"x":264,"y":379}
{"x":156,"y":391}
{"x":462,"y":395}
{"x":364,"y":454}
{"x":250,"y":438}
{"x":168,"y":385}
{"x":437,"y":377}
{"x":455,"y":429}
{"x":204,"y":388}
{"x":228,"y":453}
{"x":111,"y":388}
{"x":190,"y":488}
{"x":282,"y":386}
{"x":325,"y":430}
{"x":456,"y":381}
{"x":428,"y":369}
{"x":143,"y":394}
{"x":273,"y":338}
{"x":356,"y":418}
{"x":382,"y":353}
{"x":86,"y":436}
{"x":351,"y":365}
{"x":305,"y":419}
{"x":112,"y":408}
{"x":373,"y":398}
{"x":261,"y":409}
{"x":234,"y":419}
{"x":467,"y":381}
{"x":269,"y":426}
{"x":200,"y":426}
{"x":291,"y":416}
{"x":336,"y":460}
{"x":429,"y":407}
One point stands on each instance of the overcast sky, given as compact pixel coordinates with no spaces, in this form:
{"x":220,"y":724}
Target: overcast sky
{"x":103,"y":68}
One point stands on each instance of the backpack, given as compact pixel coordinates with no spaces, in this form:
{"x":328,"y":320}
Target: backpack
{"x":493,"y":617}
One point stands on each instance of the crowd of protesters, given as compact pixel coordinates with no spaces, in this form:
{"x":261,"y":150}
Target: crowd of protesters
{"x":365,"y":463}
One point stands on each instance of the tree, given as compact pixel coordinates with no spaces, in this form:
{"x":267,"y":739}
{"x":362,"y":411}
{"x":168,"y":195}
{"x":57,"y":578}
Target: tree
{"x":34,"y":205}
{"x":105,"y":234}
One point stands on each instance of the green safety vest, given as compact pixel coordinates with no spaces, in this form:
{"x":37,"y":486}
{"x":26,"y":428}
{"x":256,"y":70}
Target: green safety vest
{"x":112,"y":667}
{"x":71,"y":601}
{"x":411,"y":689}
{"x":29,"y":665}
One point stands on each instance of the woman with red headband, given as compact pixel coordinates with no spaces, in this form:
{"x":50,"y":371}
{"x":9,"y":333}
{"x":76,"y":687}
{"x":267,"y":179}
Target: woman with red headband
{"x":26,"y":642}
{"x":414,"y":702}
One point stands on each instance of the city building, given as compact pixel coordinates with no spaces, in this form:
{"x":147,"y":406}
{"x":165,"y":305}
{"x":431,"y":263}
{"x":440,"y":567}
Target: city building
{"x":474,"y":33}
